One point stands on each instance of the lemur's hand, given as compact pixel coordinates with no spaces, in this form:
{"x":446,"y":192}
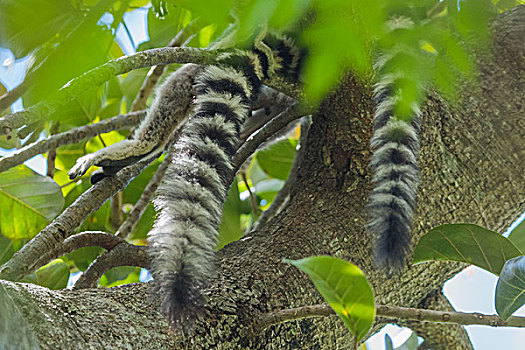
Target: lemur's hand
{"x":82,"y":165}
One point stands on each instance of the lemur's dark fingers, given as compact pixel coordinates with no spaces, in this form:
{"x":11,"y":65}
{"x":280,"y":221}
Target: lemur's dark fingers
{"x":97,"y":176}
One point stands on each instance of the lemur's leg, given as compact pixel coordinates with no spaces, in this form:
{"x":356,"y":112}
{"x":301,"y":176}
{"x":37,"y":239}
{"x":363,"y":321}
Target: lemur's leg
{"x":172,"y":105}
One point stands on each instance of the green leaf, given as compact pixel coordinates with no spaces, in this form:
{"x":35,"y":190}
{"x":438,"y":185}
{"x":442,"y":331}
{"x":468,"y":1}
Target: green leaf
{"x":53,"y":275}
{"x":268,"y":189}
{"x":89,"y":46}
{"x":230,"y":227}
{"x":25,"y":25}
{"x":120,"y":275}
{"x":345,"y":288}
{"x":287,"y":12}
{"x":27,"y":202}
{"x":6,"y":249}
{"x":84,"y":256}
{"x":3,"y":89}
{"x":277,"y":159}
{"x":162,"y":29}
{"x":135,"y":188}
{"x":131,"y":85}
{"x":467,"y":243}
{"x":216,"y":11}
{"x":510,"y":290}
{"x":517,"y":236}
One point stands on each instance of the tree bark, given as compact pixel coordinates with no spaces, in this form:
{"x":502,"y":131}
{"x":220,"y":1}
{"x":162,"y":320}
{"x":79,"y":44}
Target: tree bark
{"x":472,"y":170}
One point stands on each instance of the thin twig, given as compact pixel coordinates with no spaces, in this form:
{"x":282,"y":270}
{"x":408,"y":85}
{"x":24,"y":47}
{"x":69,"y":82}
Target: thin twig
{"x":124,"y":254}
{"x":35,"y":133}
{"x":51,"y":237}
{"x":140,"y":207}
{"x":10,"y":97}
{"x":71,"y":136}
{"x":117,"y":216}
{"x":99,"y":75}
{"x":25,"y":130}
{"x":52,"y":153}
{"x":253,"y":200}
{"x":392,"y":312}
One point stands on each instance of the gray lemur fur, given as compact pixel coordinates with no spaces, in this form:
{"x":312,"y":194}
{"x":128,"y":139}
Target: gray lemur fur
{"x":172,"y":106}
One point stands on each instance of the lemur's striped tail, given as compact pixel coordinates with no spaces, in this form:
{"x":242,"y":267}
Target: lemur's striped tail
{"x":395,"y":145}
{"x":195,"y":186}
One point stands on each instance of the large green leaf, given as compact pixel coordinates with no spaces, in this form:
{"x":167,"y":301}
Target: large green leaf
{"x":84,"y":256}
{"x":510,"y":290}
{"x":120,"y":275}
{"x":89,"y":45}
{"x":27,"y":202}
{"x":230,"y":227}
{"x":6,"y":249}
{"x":345,"y":288}
{"x":277,"y":159}
{"x":517,"y":236}
{"x":466,"y":243}
{"x":53,"y":275}
{"x":27,"y":24}
{"x":217,"y":11}
{"x":162,"y":29}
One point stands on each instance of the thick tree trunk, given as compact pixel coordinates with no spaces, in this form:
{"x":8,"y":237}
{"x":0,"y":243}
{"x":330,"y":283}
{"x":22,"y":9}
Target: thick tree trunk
{"x":472,"y":170}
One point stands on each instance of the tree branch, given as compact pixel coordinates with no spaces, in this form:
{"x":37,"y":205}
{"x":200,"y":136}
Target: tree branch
{"x":71,"y":136}
{"x":52,"y":153}
{"x":392,"y":312}
{"x":80,"y":240}
{"x":325,"y":215}
{"x":50,"y":239}
{"x":124,"y":254}
{"x":439,"y":336}
{"x":116,"y":215}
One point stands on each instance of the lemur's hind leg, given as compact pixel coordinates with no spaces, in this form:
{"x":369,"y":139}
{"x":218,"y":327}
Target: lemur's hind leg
{"x":172,"y":105}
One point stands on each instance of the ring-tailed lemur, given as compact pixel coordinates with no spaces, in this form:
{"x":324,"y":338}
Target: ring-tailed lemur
{"x":395,"y":146}
{"x":190,"y":198}
{"x":196,"y":182}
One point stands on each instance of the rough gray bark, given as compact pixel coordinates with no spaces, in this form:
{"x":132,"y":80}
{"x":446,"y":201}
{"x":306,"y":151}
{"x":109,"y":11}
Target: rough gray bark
{"x":472,"y":171}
